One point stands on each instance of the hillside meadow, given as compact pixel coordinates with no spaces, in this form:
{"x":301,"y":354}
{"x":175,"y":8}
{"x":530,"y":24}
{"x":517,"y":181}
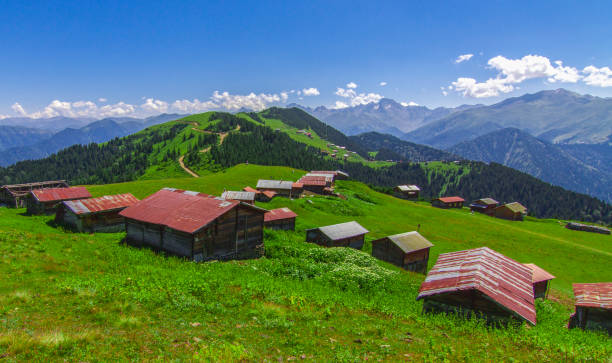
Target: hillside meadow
{"x":85,"y":297}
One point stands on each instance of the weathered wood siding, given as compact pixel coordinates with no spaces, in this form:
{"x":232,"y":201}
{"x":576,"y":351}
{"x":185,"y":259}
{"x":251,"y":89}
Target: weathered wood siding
{"x":467,"y":302}
{"x":177,"y":243}
{"x":315,"y":236}
{"x":505,"y":213}
{"x":386,"y":250}
{"x":592,"y":319}
{"x":539,"y":289}
{"x":281,"y":224}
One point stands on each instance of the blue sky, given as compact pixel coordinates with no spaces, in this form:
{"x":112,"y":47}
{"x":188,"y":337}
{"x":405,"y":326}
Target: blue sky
{"x":133,"y":58}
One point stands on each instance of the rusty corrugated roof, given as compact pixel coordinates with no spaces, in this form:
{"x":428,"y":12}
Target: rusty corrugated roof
{"x":182,"y":211}
{"x":269,"y":193}
{"x":249,"y":189}
{"x":314,"y":180}
{"x":539,"y":274}
{"x":102,"y":204}
{"x":59,"y":194}
{"x":594,"y":295}
{"x":502,"y":279}
{"x":451,"y":199}
{"x":279,"y":213}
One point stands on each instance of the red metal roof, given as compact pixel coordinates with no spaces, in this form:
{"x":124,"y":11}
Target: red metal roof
{"x":277,"y":214}
{"x":102,"y":204}
{"x":451,"y":199}
{"x":269,"y":193}
{"x":59,"y":194}
{"x":595,"y":295}
{"x":502,"y":279}
{"x":297,"y":185}
{"x":313,"y":180}
{"x":539,"y":274}
{"x":252,"y":190}
{"x":182,"y":211}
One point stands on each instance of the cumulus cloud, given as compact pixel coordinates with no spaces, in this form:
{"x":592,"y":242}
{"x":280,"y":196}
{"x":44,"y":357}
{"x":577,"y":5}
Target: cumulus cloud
{"x":411,"y":104}
{"x":102,"y":99}
{"x":18,"y":109}
{"x":77,"y":109}
{"x":194,"y":106}
{"x":353,"y":97}
{"x":351,"y":85}
{"x":382,"y":84}
{"x":463,"y":58}
{"x":511,"y":72}
{"x":338,"y":105}
{"x":311,"y":91}
{"x":599,"y":77}
{"x":156,"y":106}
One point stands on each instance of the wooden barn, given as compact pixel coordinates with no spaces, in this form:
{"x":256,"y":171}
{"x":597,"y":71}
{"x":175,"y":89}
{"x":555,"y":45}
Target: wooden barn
{"x":409,"y":251}
{"x":280,"y":218}
{"x":196,"y":226}
{"x":245,"y":197}
{"x":482,"y":282}
{"x":586,"y":228}
{"x":15,"y":196}
{"x":316,"y":184}
{"x":282,"y":188}
{"x":407,"y":191}
{"x":265,"y":196}
{"x":514,"y":211}
{"x":95,"y":214}
{"x":540,"y":280}
{"x":349,"y":234}
{"x":593,"y":307}
{"x":448,"y":202}
{"x":45,"y":201}
{"x":485,"y":206}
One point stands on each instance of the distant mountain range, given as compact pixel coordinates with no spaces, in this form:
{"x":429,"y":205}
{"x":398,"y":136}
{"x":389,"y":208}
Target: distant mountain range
{"x":30,"y":144}
{"x":405,"y":150}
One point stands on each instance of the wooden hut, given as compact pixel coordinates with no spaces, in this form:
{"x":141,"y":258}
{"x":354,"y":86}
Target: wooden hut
{"x":45,"y":201}
{"x":448,"y":202}
{"x":514,"y":211}
{"x":316,"y":184}
{"x":95,"y":214}
{"x":281,"y":218}
{"x":407,"y":191}
{"x":282,"y":188}
{"x":245,"y":197}
{"x":349,"y":234}
{"x":196,"y":226}
{"x":482,"y":282}
{"x":15,"y":196}
{"x":265,"y":196}
{"x":540,"y":280}
{"x":484,"y":205}
{"x":409,"y":251}
{"x":586,"y":228}
{"x":593,"y":307}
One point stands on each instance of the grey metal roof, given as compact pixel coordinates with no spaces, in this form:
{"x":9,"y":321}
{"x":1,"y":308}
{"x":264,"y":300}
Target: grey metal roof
{"x":410,"y":241}
{"x":408,"y":188}
{"x":236,"y":195}
{"x":343,"y":230}
{"x":274,"y":184}
{"x":487,"y":201}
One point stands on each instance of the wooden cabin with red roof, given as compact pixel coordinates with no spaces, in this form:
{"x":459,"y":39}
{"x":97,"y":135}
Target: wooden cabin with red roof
{"x":481,"y":282}
{"x":448,"y":202}
{"x":593,"y":307}
{"x":95,"y":214}
{"x":318,"y":184}
{"x":540,"y":280}
{"x":196,"y":226}
{"x":280,"y":218}
{"x":45,"y":201}
{"x":16,"y":195}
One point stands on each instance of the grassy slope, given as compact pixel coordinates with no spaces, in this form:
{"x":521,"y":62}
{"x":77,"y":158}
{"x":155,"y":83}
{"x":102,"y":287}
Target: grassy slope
{"x":86,"y":297}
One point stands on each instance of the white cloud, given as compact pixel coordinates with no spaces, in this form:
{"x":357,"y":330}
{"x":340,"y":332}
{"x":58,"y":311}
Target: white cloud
{"x":102,"y":99}
{"x":444,"y":93}
{"x":118,"y":109}
{"x":77,"y":109}
{"x":2,"y":117}
{"x":17,"y":108}
{"x":153,"y":105}
{"x":311,"y":91}
{"x":382,"y":84}
{"x":355,"y":98}
{"x":351,"y":85}
{"x":338,"y":105}
{"x":406,"y":104}
{"x":284,"y":96}
{"x":599,"y":77}
{"x":514,"y":71}
{"x":463,"y":58}
{"x":195,"y":106}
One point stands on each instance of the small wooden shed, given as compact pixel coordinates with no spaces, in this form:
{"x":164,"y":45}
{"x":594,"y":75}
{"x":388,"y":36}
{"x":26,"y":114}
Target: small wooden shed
{"x":482,"y":282}
{"x":448,"y":202}
{"x":265,"y":196}
{"x":485,"y":205}
{"x":593,"y":307}
{"x":95,"y":214}
{"x":540,"y":280}
{"x":245,"y":197}
{"x":196,"y":226}
{"x":407,"y":191}
{"x":282,"y":188}
{"x":316,"y":184}
{"x":586,"y":228}
{"x":349,"y":234}
{"x":409,"y":251}
{"x":514,"y":211}
{"x":280,"y":218}
{"x":45,"y":201}
{"x":15,"y":195}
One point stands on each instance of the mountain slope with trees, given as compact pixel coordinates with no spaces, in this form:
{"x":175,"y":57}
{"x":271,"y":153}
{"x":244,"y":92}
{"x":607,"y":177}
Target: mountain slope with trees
{"x":408,"y":151}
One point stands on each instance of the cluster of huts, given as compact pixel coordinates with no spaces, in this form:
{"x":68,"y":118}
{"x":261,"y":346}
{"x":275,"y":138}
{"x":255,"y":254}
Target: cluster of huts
{"x":315,"y":182}
{"x":203,"y":227}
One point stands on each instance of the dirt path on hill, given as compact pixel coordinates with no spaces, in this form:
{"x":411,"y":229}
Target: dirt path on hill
{"x":182,"y":164}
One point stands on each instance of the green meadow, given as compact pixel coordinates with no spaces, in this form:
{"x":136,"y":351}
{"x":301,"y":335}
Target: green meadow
{"x":86,"y":297}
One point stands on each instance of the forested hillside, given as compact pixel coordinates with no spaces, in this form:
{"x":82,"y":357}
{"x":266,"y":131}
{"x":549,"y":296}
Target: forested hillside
{"x":408,"y":151}
{"x":245,"y":140}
